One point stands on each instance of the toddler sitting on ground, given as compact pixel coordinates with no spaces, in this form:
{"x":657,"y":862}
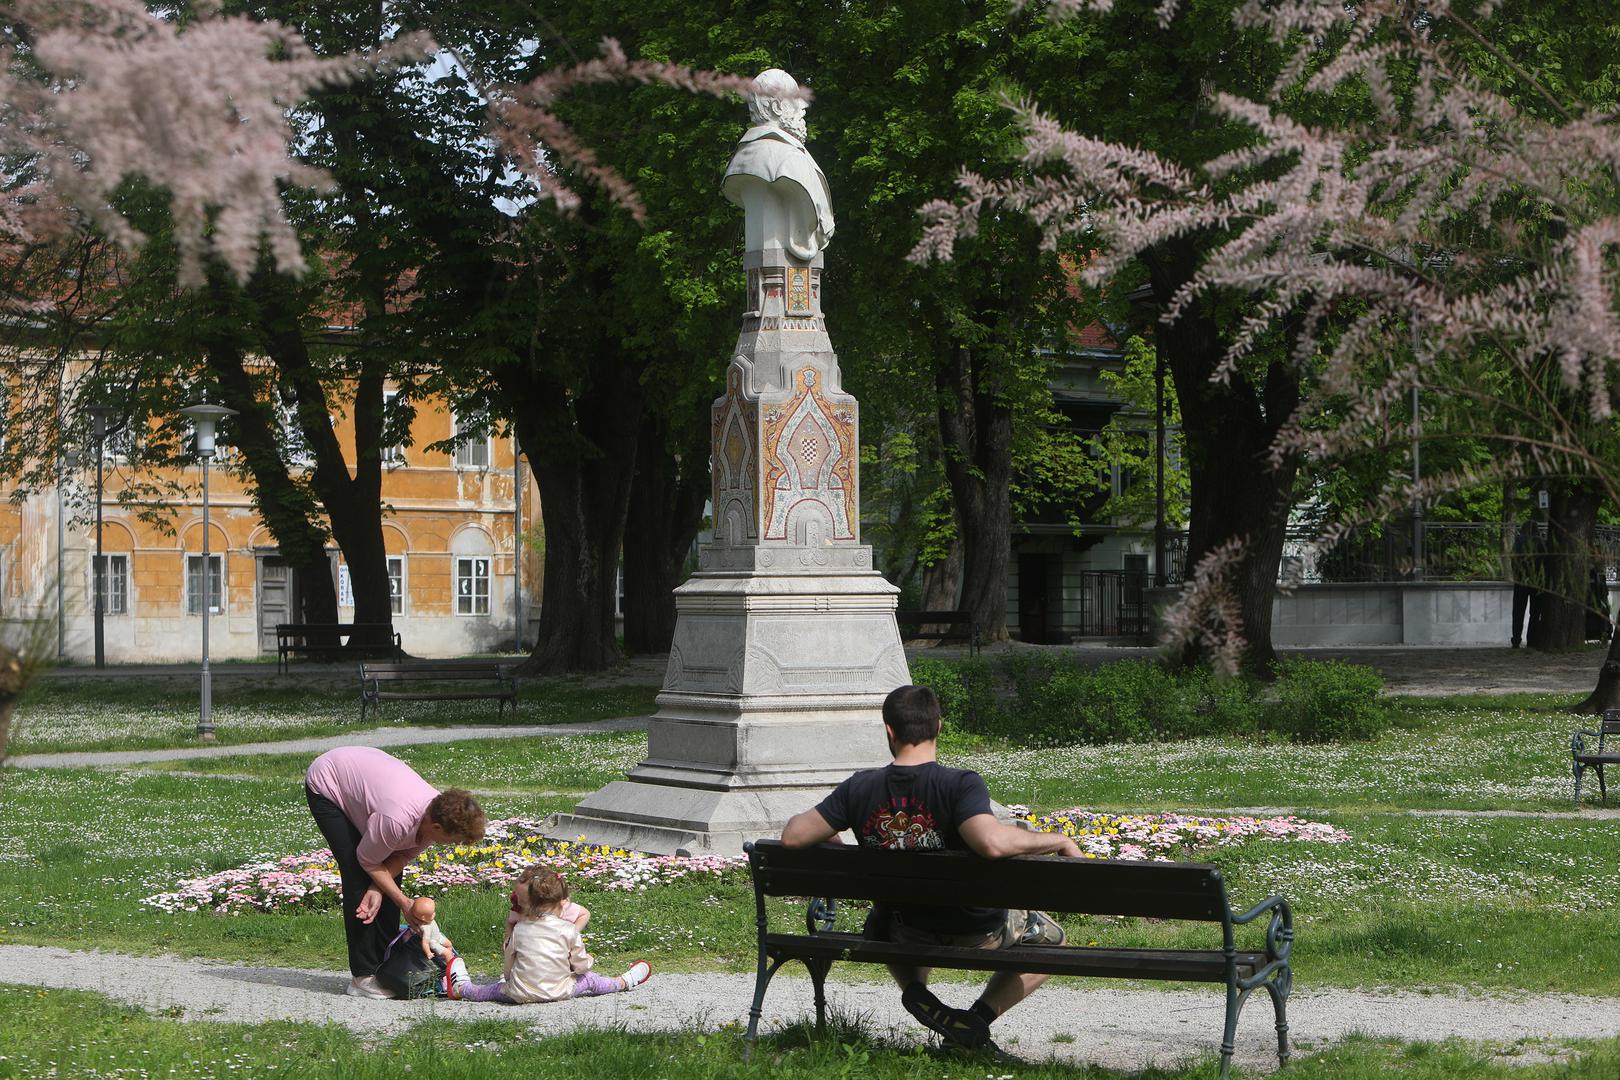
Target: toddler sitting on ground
{"x":545,"y":956}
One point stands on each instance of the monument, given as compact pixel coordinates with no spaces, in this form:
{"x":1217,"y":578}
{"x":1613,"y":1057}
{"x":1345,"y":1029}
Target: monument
{"x":785,"y":641}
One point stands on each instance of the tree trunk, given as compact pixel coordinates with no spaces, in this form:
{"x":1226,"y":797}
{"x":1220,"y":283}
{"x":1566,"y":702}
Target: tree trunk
{"x":582,"y":447}
{"x":665,"y":511}
{"x":942,"y":580}
{"x":976,"y":432}
{"x":1558,"y":610}
{"x":1606,"y":695}
{"x":353,"y":504}
{"x":287,"y":509}
{"x":1229,"y":428}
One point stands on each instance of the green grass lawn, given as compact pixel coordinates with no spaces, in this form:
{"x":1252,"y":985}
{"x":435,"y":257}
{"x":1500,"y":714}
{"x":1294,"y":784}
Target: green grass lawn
{"x":160,"y":712}
{"x":61,"y":1033}
{"x":1518,"y":903}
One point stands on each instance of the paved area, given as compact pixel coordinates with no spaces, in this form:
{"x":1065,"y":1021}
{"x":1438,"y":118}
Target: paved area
{"x":390,"y":736}
{"x":1110,"y":1026}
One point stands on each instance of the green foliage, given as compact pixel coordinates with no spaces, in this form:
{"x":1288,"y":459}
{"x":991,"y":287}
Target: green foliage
{"x":1128,"y":443}
{"x":966,"y":690}
{"x":1328,"y":701}
{"x":1046,"y":699}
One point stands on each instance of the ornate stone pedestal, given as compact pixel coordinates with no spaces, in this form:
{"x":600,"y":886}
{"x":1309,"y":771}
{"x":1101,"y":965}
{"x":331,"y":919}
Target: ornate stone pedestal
{"x":785,"y":642}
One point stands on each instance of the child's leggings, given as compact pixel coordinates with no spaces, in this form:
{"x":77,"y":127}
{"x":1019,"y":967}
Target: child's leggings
{"x":586,"y":984}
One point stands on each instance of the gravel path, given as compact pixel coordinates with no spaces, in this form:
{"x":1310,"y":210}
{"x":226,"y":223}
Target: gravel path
{"x":393,"y":736}
{"x":1117,"y":1028}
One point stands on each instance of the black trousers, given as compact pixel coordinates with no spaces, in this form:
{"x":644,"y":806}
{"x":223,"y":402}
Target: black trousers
{"x":366,"y":942}
{"x":1521,"y":604}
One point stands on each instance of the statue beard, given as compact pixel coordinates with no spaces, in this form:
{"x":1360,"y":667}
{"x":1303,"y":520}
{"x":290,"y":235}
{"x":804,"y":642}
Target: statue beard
{"x":794,"y":125}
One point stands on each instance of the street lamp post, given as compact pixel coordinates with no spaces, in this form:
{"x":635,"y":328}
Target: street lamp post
{"x":205,"y":417}
{"x":98,"y":417}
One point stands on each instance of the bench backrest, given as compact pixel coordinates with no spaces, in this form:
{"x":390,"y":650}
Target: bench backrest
{"x":1193,"y":891}
{"x":933,"y":617}
{"x":393,"y":671}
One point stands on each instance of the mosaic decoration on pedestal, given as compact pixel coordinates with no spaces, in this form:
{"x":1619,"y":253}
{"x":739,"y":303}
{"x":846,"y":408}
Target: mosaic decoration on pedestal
{"x":735,"y":420}
{"x":809,"y":466}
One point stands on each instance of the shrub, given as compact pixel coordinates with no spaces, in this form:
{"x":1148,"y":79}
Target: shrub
{"x":1327,"y":701}
{"x":966,"y":692}
{"x":1223,"y":704}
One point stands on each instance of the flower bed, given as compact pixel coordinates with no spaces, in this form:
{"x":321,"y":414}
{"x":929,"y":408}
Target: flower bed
{"x":310,"y":881}
{"x":1168,"y":837}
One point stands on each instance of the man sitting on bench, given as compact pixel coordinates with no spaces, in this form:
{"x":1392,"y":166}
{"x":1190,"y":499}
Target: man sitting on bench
{"x":917,"y":804}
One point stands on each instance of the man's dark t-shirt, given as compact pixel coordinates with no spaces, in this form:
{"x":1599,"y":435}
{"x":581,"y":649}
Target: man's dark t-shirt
{"x":916,"y":808}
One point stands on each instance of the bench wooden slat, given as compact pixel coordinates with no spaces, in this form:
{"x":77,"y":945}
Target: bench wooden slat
{"x":1092,"y":886}
{"x":1173,"y":964}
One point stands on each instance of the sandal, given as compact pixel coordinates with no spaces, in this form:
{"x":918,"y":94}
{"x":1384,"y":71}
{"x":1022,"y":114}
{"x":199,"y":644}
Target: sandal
{"x":959,"y":1027}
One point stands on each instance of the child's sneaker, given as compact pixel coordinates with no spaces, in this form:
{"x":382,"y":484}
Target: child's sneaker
{"x":456,"y":979}
{"x":638,"y":973}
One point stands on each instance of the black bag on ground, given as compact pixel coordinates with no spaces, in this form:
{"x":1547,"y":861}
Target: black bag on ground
{"x":406,"y":972}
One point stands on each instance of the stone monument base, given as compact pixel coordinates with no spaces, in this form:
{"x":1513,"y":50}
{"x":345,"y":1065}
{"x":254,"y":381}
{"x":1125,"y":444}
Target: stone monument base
{"x":773,"y":695}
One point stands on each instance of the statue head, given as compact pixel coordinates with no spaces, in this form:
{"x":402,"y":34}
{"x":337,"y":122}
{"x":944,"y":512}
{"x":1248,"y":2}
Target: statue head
{"x":772,"y":102}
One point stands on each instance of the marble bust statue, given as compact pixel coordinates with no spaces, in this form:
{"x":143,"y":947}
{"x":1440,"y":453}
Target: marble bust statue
{"x":783,"y":193}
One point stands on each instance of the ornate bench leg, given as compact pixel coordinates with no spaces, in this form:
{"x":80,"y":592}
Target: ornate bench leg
{"x":1603,"y":788}
{"x":818,"y":979}
{"x":767,"y":968}
{"x":1578,"y":770}
{"x":1278,"y":989}
{"x":1229,"y":1036}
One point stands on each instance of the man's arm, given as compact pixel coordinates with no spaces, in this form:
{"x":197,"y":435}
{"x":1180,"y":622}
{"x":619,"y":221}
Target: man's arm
{"x":990,"y":838}
{"x":808,"y":829}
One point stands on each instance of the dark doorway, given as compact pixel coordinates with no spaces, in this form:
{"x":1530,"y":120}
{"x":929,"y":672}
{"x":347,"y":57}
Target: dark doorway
{"x":1034,"y":614}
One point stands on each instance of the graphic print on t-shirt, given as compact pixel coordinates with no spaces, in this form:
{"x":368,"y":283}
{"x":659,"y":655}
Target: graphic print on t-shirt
{"x":903,"y":824}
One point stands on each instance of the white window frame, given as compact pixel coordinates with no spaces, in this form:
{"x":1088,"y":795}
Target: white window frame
{"x":469,"y":597}
{"x":217,"y":560}
{"x":392,"y":456}
{"x":464,"y":452}
{"x":299,"y":454}
{"x":115,"y":595}
{"x":396,"y":584}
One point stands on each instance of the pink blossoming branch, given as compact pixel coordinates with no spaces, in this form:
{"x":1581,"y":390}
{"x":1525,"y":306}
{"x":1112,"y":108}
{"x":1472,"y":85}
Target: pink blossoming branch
{"x":1471,"y":237}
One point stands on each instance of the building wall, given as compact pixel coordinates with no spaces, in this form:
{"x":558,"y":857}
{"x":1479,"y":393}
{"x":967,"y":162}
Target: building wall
{"x":434,"y":511}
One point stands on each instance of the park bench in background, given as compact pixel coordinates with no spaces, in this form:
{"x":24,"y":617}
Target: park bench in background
{"x":1597,"y":757}
{"x":1152,"y":890}
{"x":427,"y":680}
{"x":328,"y":640}
{"x":938,"y":626}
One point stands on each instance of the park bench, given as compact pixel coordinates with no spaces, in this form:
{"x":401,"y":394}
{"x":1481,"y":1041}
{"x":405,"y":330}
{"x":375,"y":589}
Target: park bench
{"x":327,"y":639}
{"x":1189,"y":891}
{"x":950,"y":626}
{"x":430,"y":681}
{"x":1599,"y":756}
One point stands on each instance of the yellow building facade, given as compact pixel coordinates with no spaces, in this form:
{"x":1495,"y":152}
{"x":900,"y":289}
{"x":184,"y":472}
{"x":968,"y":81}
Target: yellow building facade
{"x":451,"y":526}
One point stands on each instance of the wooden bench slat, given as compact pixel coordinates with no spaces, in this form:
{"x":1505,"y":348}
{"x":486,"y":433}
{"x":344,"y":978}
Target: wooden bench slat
{"x":425,"y":681}
{"x":1191,"y":965}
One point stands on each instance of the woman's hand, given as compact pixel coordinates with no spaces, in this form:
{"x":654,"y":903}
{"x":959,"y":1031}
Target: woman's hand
{"x":369,"y":905}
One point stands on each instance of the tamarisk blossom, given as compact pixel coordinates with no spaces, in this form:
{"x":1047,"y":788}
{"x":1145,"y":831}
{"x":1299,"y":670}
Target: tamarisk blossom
{"x":526,"y":123}
{"x":1443,"y":225}
{"x":98,"y":91}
